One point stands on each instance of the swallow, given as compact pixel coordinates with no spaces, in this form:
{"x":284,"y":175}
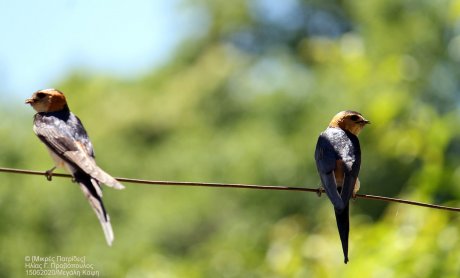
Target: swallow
{"x":69,"y":146}
{"x":338,"y":160}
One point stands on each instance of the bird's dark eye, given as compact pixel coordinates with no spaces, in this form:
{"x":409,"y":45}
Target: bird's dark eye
{"x":40,"y":95}
{"x":354,"y":118}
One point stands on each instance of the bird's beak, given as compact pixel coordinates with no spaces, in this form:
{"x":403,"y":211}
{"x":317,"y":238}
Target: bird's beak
{"x":29,"y":101}
{"x":366,"y":122}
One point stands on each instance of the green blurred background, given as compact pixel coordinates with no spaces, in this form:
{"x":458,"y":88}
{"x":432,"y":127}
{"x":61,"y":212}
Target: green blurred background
{"x":242,"y":100}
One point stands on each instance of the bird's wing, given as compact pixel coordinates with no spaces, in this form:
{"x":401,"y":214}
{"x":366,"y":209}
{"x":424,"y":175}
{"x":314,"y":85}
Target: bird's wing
{"x":352,"y":160}
{"x":326,"y":157}
{"x":57,"y":136}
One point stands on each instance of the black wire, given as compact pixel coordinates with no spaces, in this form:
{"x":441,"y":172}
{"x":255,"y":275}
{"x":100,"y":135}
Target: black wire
{"x":239,"y":185}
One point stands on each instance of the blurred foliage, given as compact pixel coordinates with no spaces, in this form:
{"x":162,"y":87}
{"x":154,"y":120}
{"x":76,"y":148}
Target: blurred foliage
{"x":243,"y":101}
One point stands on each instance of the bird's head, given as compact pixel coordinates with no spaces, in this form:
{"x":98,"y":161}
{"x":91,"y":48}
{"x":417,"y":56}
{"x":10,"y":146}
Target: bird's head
{"x":350,"y":121}
{"x":48,"y":100}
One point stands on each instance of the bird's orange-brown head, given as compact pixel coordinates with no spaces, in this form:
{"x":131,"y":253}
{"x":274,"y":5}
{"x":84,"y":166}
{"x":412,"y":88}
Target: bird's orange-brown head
{"x":351,"y":121}
{"x":48,"y":100}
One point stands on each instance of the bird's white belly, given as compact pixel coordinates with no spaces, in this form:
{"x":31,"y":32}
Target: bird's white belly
{"x":59,"y":162}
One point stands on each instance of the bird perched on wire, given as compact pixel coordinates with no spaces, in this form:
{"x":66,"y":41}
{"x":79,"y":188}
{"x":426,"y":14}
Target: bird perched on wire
{"x":67,"y":141}
{"x":338,"y":160}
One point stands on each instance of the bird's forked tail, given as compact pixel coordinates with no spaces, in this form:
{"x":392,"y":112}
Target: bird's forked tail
{"x":93,"y":193}
{"x":343,"y":224}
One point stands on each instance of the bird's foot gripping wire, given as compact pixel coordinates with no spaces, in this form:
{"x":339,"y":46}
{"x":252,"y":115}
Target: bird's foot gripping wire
{"x":49,"y":174}
{"x":319,"y":191}
{"x":353,"y":196}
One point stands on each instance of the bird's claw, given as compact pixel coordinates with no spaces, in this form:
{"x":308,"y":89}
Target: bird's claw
{"x":319,"y":191}
{"x":353,"y":196}
{"x":49,"y":174}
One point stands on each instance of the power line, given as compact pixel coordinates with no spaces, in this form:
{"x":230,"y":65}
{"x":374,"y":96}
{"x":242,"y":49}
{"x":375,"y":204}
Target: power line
{"x":238,"y":185}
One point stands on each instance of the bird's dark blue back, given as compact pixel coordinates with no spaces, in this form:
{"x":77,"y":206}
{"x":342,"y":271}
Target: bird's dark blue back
{"x":67,"y":125}
{"x":336,"y":144}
